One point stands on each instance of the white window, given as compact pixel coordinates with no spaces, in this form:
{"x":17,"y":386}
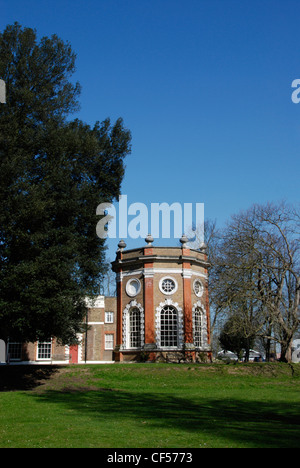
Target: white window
{"x":168,"y":285}
{"x":169,"y":327}
{"x":198,"y":327}
{"x":44,"y":349}
{"x":109,"y":341}
{"x":109,"y":317}
{"x":134,"y":328}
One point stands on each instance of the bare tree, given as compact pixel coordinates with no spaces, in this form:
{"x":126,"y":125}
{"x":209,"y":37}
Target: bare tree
{"x":108,"y":284}
{"x":258,"y":272}
{"x":209,"y":232}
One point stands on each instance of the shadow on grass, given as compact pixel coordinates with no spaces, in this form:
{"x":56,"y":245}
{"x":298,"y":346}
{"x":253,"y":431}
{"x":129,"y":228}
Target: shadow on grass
{"x":23,"y":377}
{"x":245,"y":423}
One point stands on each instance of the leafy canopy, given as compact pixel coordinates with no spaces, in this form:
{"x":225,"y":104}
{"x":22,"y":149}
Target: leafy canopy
{"x":53,"y":173}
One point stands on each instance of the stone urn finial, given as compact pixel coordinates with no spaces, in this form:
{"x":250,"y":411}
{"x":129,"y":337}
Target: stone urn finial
{"x":183,"y":240}
{"x":121,"y":245}
{"x":203,"y":248}
{"x":149,"y":239}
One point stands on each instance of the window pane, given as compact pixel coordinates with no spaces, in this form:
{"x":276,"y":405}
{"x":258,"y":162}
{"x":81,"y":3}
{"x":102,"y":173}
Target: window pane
{"x":15,"y":351}
{"x":44,"y":350}
{"x":198,"y":330}
{"x":168,"y":285}
{"x":109,"y":341}
{"x":169,"y":327}
{"x":109,"y":317}
{"x":134,"y":328}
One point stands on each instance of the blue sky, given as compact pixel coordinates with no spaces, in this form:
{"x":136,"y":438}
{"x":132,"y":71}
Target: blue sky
{"x":203,"y":85}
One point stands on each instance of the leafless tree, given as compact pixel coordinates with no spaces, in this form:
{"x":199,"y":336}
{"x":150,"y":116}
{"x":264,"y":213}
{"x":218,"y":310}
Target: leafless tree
{"x":258,"y":271}
{"x":209,"y":232}
{"x":108,"y":284}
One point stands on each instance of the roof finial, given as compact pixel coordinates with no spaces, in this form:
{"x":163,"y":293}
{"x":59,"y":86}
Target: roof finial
{"x":149,"y":239}
{"x":121,"y":245}
{"x":183,"y":240}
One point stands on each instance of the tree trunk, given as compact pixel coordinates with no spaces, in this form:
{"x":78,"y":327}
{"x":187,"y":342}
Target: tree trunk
{"x":286,"y":352}
{"x":268,"y":350}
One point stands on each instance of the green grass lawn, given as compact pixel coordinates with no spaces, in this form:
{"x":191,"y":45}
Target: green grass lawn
{"x":150,"y":405}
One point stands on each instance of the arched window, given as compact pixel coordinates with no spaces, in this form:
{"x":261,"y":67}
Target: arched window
{"x":198,"y":328}
{"x":168,"y":326}
{"x":134,"y":328}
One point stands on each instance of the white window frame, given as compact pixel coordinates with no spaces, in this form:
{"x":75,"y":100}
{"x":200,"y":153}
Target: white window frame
{"x":198,"y":328}
{"x":109,"y":341}
{"x":199,"y":292}
{"x":45,"y":344}
{"x":169,"y":327}
{"x":134,"y":340}
{"x":138,"y":289}
{"x":199,"y":308}
{"x":168,"y":278}
{"x":109,"y":317}
{"x":180,"y":330}
{"x":127,"y":325}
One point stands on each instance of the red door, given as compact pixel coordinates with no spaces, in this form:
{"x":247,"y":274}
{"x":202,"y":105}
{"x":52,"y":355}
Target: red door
{"x":74,"y":354}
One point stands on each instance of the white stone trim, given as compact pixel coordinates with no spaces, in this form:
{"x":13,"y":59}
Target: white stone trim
{"x":186,"y":273}
{"x":125,"y":323}
{"x":200,"y":294}
{"x":168,"y":293}
{"x":199,"y":305}
{"x":130,"y":294}
{"x":151,"y":271}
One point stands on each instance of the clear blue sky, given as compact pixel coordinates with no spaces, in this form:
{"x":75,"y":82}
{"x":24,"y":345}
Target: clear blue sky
{"x":203,"y":85}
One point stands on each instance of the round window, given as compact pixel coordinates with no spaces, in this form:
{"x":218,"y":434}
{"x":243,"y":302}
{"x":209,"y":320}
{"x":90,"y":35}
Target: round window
{"x":198,"y":288}
{"x":133,"y":287}
{"x":168,"y":285}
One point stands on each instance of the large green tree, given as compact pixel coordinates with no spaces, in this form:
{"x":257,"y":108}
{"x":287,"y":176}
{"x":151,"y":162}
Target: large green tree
{"x":54,"y":171}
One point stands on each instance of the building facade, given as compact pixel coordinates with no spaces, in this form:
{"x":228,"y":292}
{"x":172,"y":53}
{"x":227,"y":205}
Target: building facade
{"x":96,"y":343}
{"x":162,"y":303}
{"x":161,"y":313}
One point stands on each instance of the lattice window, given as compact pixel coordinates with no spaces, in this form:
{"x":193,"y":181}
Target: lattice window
{"x":169,"y":327}
{"x":198,"y":328}
{"x":168,"y":285}
{"x":44,"y":350}
{"x":15,"y":351}
{"x":134,"y":328}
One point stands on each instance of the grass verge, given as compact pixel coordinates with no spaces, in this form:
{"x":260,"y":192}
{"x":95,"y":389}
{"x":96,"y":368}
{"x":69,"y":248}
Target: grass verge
{"x":150,"y":405}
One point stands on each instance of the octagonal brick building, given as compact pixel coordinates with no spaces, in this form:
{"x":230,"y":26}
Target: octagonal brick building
{"x":162,"y":303}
